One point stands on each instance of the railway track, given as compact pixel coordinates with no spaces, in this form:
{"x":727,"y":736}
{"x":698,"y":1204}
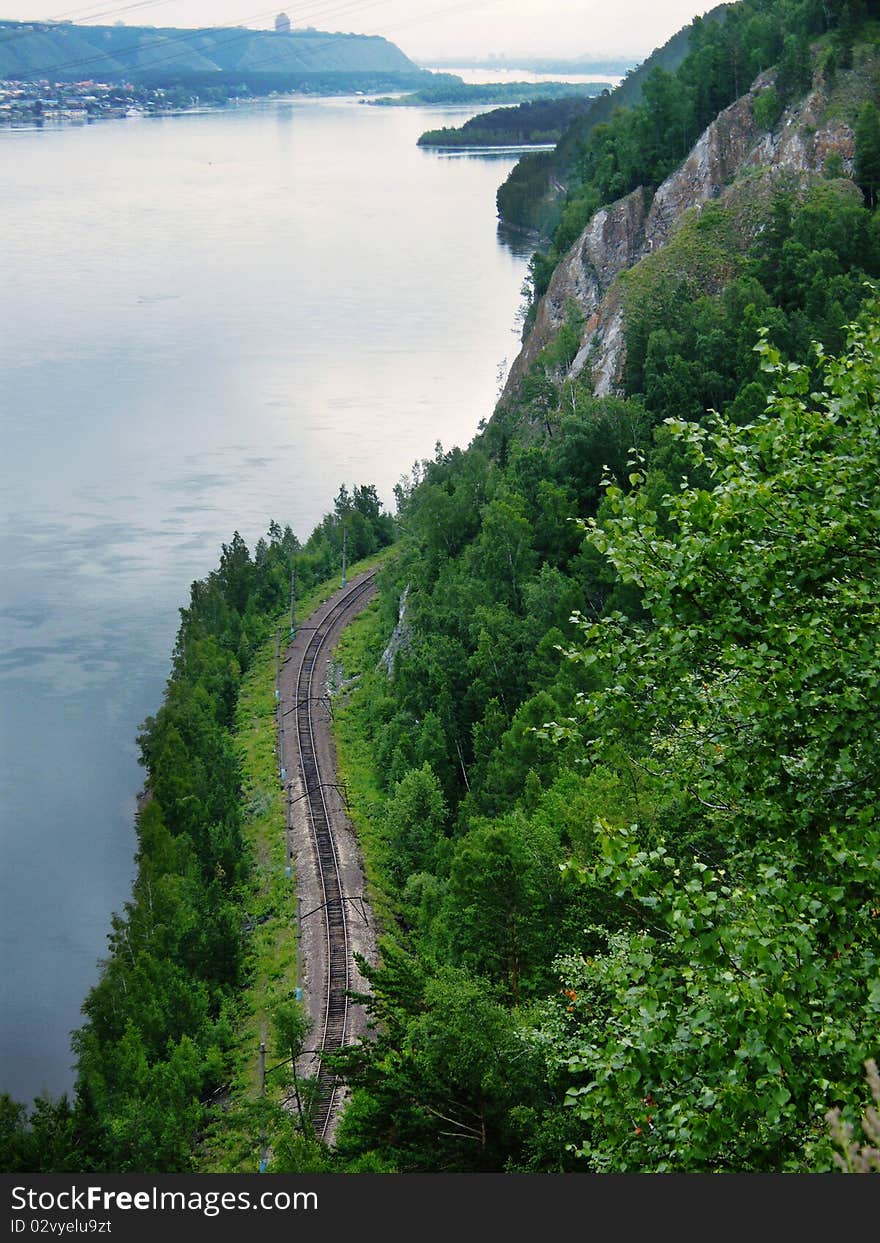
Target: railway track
{"x":338,"y":953}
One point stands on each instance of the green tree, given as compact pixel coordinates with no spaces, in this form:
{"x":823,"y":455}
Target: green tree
{"x":867,"y":169}
{"x":291,"y":1026}
{"x":767,"y":108}
{"x":415,"y":819}
{"x":504,"y":552}
{"x":695,"y":1040}
{"x":447,"y":1083}
{"x":503,"y":882}
{"x":16,"y":1141}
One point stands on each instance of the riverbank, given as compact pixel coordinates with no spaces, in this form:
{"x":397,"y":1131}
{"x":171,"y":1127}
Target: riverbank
{"x":37,"y":104}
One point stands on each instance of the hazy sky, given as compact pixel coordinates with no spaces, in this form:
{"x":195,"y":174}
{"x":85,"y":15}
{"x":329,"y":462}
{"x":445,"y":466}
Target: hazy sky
{"x":422,"y":28}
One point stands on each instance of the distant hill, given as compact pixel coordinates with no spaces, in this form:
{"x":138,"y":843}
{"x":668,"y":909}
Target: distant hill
{"x":66,"y":52}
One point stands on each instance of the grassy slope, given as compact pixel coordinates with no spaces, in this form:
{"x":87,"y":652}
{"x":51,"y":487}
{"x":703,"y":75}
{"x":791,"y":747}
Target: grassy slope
{"x":358,"y":654}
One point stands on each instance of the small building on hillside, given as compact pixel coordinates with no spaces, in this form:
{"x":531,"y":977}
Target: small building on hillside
{"x":282,"y":24}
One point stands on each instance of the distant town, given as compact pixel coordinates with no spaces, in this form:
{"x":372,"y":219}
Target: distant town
{"x":39,"y":103}
{"x":62,"y":72}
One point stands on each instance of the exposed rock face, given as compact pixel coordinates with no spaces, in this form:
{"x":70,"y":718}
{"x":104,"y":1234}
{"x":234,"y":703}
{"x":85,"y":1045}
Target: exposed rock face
{"x":802,"y":142}
{"x":620,"y":235}
{"x":610,"y":244}
{"x":400,"y":636}
{"x":719,"y":153}
{"x":605,"y":350}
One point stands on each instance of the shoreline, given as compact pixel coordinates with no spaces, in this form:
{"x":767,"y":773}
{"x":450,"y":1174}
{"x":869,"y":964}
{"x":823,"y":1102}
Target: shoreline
{"x":24,"y":118}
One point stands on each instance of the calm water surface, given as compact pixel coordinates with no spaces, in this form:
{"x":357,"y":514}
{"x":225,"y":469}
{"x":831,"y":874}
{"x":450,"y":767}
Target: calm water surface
{"x":206,"y":322}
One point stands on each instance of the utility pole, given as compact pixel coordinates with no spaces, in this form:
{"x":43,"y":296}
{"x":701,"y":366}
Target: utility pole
{"x":344,"y":534}
{"x":263,"y":1153}
{"x":282,"y":767}
{"x":293,"y":603}
{"x":299,"y":993}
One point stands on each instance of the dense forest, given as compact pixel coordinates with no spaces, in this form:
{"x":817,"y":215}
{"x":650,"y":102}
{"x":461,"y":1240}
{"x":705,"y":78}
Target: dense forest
{"x":618,"y":792}
{"x":623,"y":817}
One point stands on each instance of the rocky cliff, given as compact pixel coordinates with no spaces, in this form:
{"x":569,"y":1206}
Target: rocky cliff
{"x":730,"y":150}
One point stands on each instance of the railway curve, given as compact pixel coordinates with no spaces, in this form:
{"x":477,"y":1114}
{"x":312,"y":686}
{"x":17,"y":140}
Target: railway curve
{"x":333,"y":919}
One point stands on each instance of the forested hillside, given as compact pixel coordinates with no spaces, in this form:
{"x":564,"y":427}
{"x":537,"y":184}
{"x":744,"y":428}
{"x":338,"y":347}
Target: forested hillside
{"x":532,"y":195}
{"x":621,"y":803}
{"x":631,"y":860}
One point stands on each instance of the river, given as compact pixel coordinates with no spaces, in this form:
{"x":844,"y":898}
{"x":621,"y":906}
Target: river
{"x":207,"y":322}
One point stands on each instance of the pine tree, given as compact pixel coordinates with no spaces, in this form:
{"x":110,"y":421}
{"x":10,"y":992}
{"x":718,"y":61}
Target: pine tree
{"x":867,"y":171}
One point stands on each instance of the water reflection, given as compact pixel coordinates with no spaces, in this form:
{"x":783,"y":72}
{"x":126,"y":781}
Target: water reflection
{"x":488,"y":153}
{"x":520,"y":242}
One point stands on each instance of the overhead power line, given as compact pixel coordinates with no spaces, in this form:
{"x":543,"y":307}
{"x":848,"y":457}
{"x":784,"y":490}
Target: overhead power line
{"x":79,"y":17}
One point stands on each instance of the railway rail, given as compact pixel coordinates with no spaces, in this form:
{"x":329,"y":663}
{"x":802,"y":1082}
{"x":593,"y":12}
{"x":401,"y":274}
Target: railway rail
{"x":335,"y":1026}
